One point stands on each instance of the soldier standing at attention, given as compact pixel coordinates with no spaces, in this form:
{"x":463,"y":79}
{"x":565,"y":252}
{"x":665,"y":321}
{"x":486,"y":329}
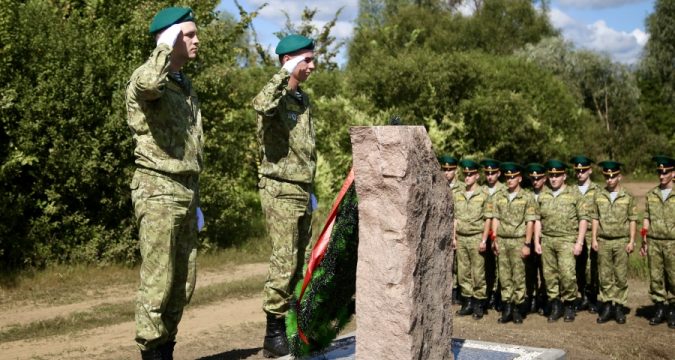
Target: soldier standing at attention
{"x":494,"y":187}
{"x":564,"y":219}
{"x":165,"y":120}
{"x":288,"y":164}
{"x":534,"y":271}
{"x":470,"y":240}
{"x":513,"y":214}
{"x":614,"y":223}
{"x":587,"y":262}
{"x":449,"y":167}
{"x":658,"y":242}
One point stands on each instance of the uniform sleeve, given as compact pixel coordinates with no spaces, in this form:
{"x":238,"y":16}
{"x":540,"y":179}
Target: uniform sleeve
{"x":647,"y":216}
{"x":149,"y":80}
{"x":490,"y":208}
{"x":531,"y":209}
{"x":585,"y":208}
{"x":267,"y":100}
{"x":593,"y":207}
{"x":632,"y":209}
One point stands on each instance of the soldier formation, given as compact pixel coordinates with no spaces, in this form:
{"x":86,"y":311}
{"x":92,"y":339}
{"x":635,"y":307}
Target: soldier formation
{"x":559,"y":249}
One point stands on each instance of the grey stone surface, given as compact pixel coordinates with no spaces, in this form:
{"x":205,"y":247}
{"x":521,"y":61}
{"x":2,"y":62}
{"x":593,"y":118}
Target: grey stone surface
{"x":344,"y":349}
{"x":404,"y":281}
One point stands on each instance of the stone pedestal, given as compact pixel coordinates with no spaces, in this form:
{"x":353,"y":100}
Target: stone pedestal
{"x":404,"y":271}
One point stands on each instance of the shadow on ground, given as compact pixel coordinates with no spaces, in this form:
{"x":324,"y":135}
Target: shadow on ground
{"x":236,"y":354}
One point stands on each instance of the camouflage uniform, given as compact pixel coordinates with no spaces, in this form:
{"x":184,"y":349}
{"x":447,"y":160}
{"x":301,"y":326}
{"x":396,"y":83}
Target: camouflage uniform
{"x":492,"y":261}
{"x":661,"y":251}
{"x":288,"y":162}
{"x":470,"y":216}
{"x":613,"y":236}
{"x":560,"y":216}
{"x":587,"y":261}
{"x":164,"y":117}
{"x":513,"y":216}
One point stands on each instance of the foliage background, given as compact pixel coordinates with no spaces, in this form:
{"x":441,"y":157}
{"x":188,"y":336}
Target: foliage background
{"x":501,"y":83}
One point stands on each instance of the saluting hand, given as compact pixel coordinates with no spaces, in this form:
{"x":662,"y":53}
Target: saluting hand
{"x":169,"y":35}
{"x":291,"y":64}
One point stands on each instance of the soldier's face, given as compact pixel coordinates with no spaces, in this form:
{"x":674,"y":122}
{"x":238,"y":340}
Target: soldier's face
{"x":450,"y":174}
{"x":187,"y":42}
{"x":470,"y":178}
{"x":583,"y":174}
{"x":492,"y":177}
{"x":612,"y":181}
{"x":556,"y":180}
{"x":666,"y":178}
{"x":538,"y":182}
{"x":513,"y":182}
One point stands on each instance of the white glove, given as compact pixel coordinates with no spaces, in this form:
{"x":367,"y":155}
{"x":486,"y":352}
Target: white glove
{"x":169,"y":35}
{"x":292,"y":63}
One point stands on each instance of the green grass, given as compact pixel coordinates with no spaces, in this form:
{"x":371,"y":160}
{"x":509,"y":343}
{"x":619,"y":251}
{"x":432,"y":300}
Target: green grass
{"x":111,"y":314}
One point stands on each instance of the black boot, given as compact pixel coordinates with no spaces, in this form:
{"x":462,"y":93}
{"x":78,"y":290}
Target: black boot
{"x":556,"y":311}
{"x":166,"y":350}
{"x":583,"y":303}
{"x":532,"y":306}
{"x":671,"y":316}
{"x":659,"y":315}
{"x":478,"y":309}
{"x":455,"y":296}
{"x":605,"y":313}
{"x":151,"y":354}
{"x":506,"y":314}
{"x":569,"y":311}
{"x":275,"y":344}
{"x":518,"y":313}
{"x":467,"y":307}
{"x":619,"y":314}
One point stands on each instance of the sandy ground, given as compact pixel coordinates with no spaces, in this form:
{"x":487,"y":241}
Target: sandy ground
{"x":233,"y":329}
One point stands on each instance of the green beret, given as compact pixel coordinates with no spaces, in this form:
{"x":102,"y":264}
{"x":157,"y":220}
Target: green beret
{"x":490,"y":165}
{"x":581,"y":162}
{"x":664,"y":163}
{"x":469,"y":166}
{"x":554,"y":166}
{"x":535,"y":169}
{"x":610,"y":167}
{"x":169,"y":16}
{"x":510,"y":168}
{"x":293,"y":43}
{"x":447,"y":162}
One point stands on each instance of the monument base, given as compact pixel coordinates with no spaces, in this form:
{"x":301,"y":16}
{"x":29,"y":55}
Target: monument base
{"x":344,"y":349}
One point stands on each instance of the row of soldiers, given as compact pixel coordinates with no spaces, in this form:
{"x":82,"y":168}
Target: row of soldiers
{"x":557,"y":249}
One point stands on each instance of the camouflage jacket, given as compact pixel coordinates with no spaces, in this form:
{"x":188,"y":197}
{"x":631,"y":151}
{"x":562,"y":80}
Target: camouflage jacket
{"x":470,"y":213}
{"x":164,"y":118}
{"x":593,"y":188}
{"x":614,"y":217}
{"x":499,"y":188}
{"x":285,"y":132}
{"x":560,"y":215}
{"x":661,"y":215}
{"x":514,"y":215}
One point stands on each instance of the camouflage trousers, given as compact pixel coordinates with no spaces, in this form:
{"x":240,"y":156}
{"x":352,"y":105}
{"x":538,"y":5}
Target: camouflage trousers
{"x":587,"y":268}
{"x":512,"y":270}
{"x":471,"y":267}
{"x":613,"y":269}
{"x":286,"y":209}
{"x":165,"y":208}
{"x":558,"y":259}
{"x":661,"y":259}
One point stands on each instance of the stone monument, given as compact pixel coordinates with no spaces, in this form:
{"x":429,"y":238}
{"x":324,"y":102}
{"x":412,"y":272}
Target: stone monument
{"x":404,"y":271}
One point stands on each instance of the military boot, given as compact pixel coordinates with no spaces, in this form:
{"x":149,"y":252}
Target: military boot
{"x":467,"y":307}
{"x":671,"y":316}
{"x":275,"y":344}
{"x":455,"y":296}
{"x":619,"y":314}
{"x":659,"y":315}
{"x":478,"y":309}
{"x":532,"y":306}
{"x":506,"y":314}
{"x":605,"y":313}
{"x":151,"y":354}
{"x":556,"y":311}
{"x":583,"y":303}
{"x":518,"y":313}
{"x":569,"y":311}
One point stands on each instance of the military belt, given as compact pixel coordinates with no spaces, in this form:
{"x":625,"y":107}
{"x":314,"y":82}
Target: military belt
{"x":188,"y":180}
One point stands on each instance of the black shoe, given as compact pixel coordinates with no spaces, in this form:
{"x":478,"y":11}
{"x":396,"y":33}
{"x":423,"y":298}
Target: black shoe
{"x":467,"y":307}
{"x":605,"y":313}
{"x":556,"y":311}
{"x":659,"y":315}
{"x":569,"y":311}
{"x":151,"y":354}
{"x":619,"y":314}
{"x":517,"y":313}
{"x":275,"y":344}
{"x":671,"y":316}
{"x":478,"y":309}
{"x":455,"y":296}
{"x":506,"y":314}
